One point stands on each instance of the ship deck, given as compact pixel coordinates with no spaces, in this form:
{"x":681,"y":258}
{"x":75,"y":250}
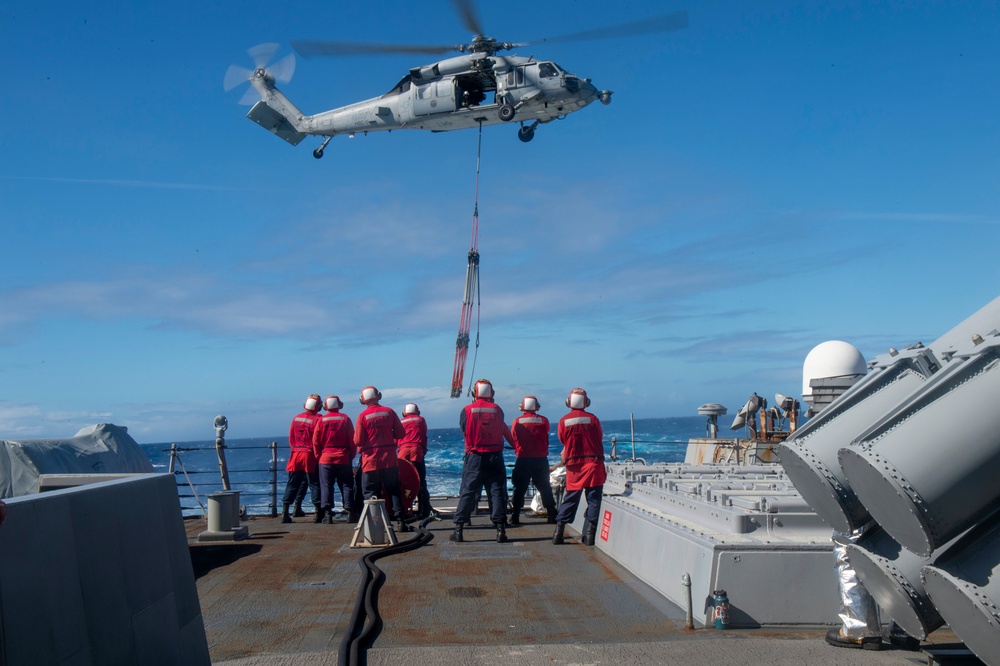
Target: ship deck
{"x":285,"y":596}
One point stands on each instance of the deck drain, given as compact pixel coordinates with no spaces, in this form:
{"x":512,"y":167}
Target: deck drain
{"x":466,"y":592}
{"x":310,"y":585}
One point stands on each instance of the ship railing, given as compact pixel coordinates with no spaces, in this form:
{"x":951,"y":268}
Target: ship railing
{"x":228,"y":479}
{"x":260,"y":497}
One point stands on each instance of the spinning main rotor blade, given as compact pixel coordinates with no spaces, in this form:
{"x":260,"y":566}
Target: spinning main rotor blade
{"x":664,"y":23}
{"x":309,"y":49}
{"x":468,"y":12}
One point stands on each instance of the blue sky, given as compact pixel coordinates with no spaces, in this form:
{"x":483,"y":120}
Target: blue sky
{"x":776,"y":175}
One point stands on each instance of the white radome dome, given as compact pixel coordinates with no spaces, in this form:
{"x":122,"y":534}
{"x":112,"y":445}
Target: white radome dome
{"x":833,"y":358}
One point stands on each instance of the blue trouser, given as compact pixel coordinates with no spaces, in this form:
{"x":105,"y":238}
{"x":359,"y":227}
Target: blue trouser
{"x":571,"y":500}
{"x":423,"y":495}
{"x":533,"y":470}
{"x":478,"y":470}
{"x":343,"y":477}
{"x":374,"y":481}
{"x":295,"y":489}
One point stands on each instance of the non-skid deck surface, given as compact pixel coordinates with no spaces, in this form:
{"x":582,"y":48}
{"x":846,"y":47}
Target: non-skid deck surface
{"x":285,"y":596}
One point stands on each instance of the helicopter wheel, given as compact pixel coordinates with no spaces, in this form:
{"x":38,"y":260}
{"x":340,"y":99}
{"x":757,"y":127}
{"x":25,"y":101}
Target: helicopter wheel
{"x":506,"y":113}
{"x":525,"y":134}
{"x":318,"y":153}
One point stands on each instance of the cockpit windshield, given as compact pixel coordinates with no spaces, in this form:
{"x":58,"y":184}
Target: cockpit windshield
{"x":400,"y":87}
{"x":547,"y":70}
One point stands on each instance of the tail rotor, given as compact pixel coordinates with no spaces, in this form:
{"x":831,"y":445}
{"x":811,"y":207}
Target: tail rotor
{"x":280,"y":71}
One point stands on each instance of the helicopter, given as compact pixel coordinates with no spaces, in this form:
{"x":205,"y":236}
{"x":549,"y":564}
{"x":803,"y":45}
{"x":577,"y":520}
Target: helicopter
{"x":480,"y":87}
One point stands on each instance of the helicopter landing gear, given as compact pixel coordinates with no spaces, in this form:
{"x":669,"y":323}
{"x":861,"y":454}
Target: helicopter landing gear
{"x":526,"y":134}
{"x":506,"y":113}
{"x":318,"y":153}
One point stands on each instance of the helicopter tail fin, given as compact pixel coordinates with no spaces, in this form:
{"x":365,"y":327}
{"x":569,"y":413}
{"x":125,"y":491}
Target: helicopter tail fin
{"x":275,"y":123}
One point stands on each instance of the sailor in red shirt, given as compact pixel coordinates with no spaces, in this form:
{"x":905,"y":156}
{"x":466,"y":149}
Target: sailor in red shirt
{"x":302,"y":467}
{"x":413,"y":447}
{"x":333,"y":444}
{"x":375,"y":435}
{"x":485,"y":431}
{"x":530,"y":432}
{"x":583,"y":454}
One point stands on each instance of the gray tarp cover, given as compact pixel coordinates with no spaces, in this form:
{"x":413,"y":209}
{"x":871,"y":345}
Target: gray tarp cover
{"x":97,"y":449}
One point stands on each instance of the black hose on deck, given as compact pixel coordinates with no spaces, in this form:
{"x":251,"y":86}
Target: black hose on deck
{"x":359,"y":637}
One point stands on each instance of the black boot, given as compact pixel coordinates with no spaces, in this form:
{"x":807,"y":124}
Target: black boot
{"x":552,"y":516}
{"x":299,"y":513}
{"x":457,"y":534}
{"x":558,"y":537}
{"x":589,"y":534}
{"x":515,"y":517}
{"x":318,"y":518}
{"x":285,"y":517}
{"x":354,"y":517}
{"x":403,"y":527}
{"x":501,"y":533}
{"x":327,"y":517}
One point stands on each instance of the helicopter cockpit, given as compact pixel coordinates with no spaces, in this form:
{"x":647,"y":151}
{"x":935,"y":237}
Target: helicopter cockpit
{"x":401,"y":87}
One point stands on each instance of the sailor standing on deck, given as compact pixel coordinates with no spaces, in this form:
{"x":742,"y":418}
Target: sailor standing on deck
{"x":530,"y":432}
{"x":375,"y":435}
{"x":302,"y":466}
{"x":583,"y":455}
{"x":413,"y":447}
{"x":333,"y":444}
{"x":485,"y":431}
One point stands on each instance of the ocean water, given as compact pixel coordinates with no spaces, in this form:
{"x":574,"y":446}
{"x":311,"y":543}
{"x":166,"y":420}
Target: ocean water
{"x":249,"y":461}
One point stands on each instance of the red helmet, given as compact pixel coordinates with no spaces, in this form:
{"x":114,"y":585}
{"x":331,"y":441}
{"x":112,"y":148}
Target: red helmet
{"x":529,"y":403}
{"x":578,"y":399}
{"x":313,"y":403}
{"x":370,"y":395}
{"x":333,"y":403}
{"x":483,"y":389}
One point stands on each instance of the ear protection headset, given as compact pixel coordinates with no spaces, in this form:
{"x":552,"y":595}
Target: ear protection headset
{"x":529,"y":403}
{"x":333,"y":403}
{"x":370,"y":394}
{"x":578,"y":399}
{"x":411,"y":408}
{"x":313,"y":403}
{"x":484,"y":389}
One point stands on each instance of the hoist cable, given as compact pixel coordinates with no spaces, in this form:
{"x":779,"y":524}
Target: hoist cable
{"x":471,"y":288}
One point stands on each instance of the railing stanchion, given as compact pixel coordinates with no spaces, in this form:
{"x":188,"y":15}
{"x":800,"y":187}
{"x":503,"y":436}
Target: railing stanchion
{"x":274,"y":479}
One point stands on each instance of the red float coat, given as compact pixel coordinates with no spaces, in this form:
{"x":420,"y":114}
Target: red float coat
{"x":300,"y":439}
{"x":375,"y":435}
{"x":583,"y":450}
{"x":333,"y":441}
{"x":531,"y":436}
{"x":483,"y":427}
{"x":413,"y":445}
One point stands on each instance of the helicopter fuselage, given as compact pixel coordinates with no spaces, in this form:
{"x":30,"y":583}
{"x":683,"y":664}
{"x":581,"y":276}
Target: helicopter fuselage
{"x":457,"y":93}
